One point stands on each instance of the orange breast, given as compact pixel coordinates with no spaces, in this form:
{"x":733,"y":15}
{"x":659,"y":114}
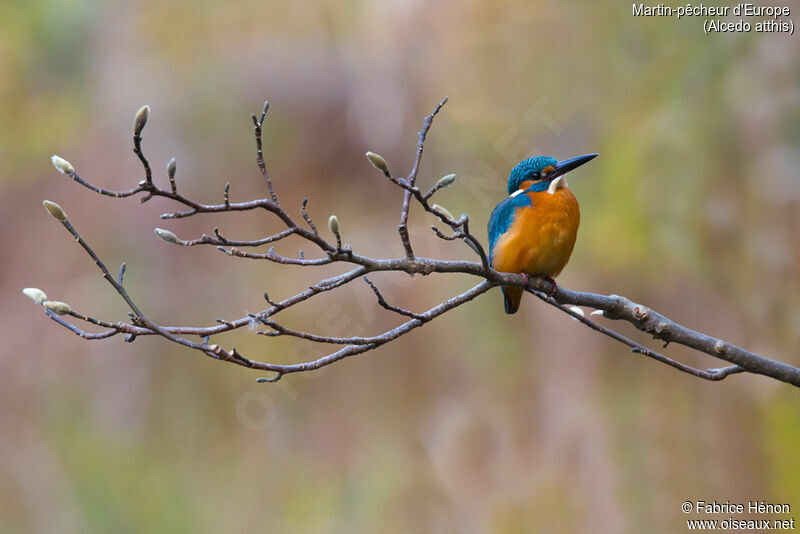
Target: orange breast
{"x":540,"y":240}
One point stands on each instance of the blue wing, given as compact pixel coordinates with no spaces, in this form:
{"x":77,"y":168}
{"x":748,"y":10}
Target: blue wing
{"x":503,"y":215}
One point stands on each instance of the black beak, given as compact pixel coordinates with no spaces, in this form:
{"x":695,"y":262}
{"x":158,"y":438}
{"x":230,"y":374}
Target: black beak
{"x":563,"y":167}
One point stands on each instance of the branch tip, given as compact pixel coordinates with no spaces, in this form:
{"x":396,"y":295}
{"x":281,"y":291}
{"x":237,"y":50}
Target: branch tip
{"x":55,"y":210}
{"x":63,"y":166}
{"x":333,"y":224}
{"x":167,"y":236}
{"x":378,"y":162}
{"x":140,"y":120}
{"x":335,"y":228}
{"x":264,"y":380}
{"x":35,"y":294}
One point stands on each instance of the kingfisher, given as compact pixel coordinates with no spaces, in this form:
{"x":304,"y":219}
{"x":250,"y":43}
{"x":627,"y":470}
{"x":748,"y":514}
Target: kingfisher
{"x":533,"y":231}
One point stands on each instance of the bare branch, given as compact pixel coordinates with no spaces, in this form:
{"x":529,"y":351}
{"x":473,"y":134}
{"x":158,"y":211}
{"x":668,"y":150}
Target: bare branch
{"x":710,"y":374}
{"x":412,"y":178}
{"x":273,"y":256}
{"x":257,"y":123}
{"x":458,"y":234}
{"x":78,"y":331}
{"x":307,"y":217}
{"x":423,"y":133}
{"x":141,"y":119}
{"x":376,"y":341}
{"x":443,"y":182}
{"x":219,"y":239}
{"x":107,"y":192}
{"x":613,"y":307}
{"x":384,"y":304}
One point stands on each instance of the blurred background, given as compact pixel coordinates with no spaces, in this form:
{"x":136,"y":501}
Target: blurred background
{"x":478,"y":422}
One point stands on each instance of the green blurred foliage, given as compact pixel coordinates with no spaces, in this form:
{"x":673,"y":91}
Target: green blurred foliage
{"x":477,"y":422}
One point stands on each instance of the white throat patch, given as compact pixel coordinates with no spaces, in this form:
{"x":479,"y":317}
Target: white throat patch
{"x":558,"y":183}
{"x":515,"y":193}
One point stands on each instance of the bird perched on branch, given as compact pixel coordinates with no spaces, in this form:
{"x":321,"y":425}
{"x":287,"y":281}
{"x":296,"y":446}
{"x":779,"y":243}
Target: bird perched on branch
{"x":533,"y":231}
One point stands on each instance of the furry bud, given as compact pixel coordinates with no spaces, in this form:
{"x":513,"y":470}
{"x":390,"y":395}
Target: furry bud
{"x":63,"y":166}
{"x":333,"y":224}
{"x":172,"y":166}
{"x":167,"y":236}
{"x":59,"y":308}
{"x":35,"y":294}
{"x":378,"y":161}
{"x":443,"y":211}
{"x":55,"y":210}
{"x":141,"y":119}
{"x":446,"y":181}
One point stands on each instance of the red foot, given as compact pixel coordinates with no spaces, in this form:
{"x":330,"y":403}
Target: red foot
{"x":525,"y":278}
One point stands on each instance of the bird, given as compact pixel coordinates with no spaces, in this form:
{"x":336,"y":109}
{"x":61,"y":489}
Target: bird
{"x":532,"y":232}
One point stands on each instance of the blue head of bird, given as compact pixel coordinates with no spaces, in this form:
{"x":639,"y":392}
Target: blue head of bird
{"x":544,"y":171}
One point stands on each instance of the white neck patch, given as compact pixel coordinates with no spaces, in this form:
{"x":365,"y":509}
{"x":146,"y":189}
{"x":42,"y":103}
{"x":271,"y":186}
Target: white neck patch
{"x":515,"y":193}
{"x":557,"y":184}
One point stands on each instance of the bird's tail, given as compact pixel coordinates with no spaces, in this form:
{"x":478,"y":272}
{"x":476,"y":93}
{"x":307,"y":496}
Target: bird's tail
{"x":512,"y":296}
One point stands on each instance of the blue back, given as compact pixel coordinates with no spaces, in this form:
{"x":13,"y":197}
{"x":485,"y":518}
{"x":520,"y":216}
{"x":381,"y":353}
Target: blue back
{"x":503,"y":216}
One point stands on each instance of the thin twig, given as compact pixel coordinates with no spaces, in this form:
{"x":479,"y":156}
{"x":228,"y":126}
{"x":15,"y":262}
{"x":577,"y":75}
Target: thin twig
{"x":307,"y":217}
{"x":402,"y":228}
{"x":257,"y":123}
{"x":137,"y":149}
{"x":384,"y":304}
{"x":206,"y":239}
{"x":273,"y":256}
